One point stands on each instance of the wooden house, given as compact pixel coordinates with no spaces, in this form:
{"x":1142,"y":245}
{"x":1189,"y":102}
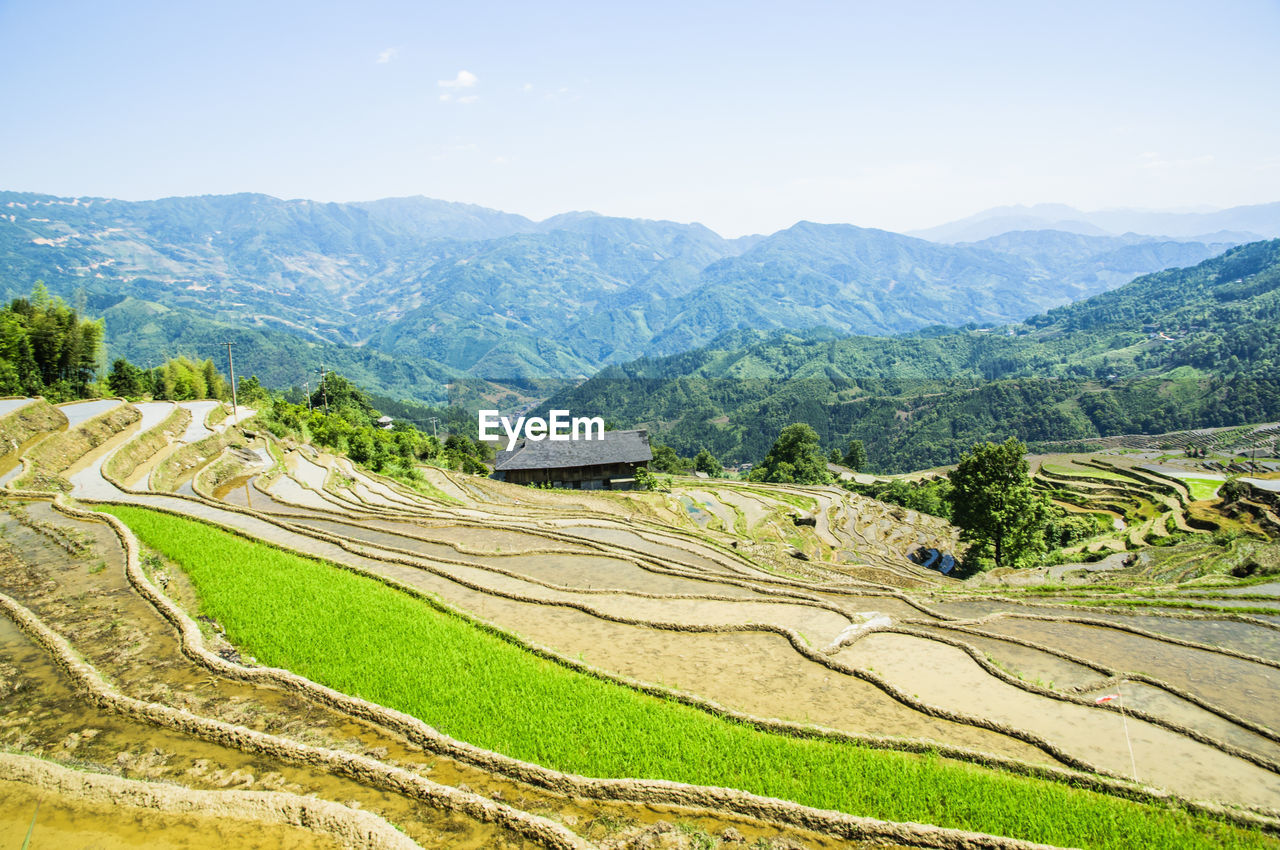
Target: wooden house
{"x":604,"y":464}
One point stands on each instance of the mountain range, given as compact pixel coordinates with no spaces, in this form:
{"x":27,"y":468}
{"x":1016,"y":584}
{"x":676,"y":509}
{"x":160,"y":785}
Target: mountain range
{"x":406,"y":295}
{"x":1177,"y":349}
{"x":1237,"y":224}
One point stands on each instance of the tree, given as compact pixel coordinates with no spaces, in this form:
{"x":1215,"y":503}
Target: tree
{"x":706,"y":462}
{"x":856,"y":457}
{"x":251,"y":392}
{"x":994,"y":505}
{"x":796,"y":458}
{"x":125,"y":379}
{"x":666,"y":460}
{"x":645,"y":480}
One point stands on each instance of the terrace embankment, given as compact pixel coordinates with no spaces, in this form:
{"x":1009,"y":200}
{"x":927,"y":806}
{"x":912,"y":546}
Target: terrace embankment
{"x":531,"y":609}
{"x":121,"y":634}
{"x":47,"y":459}
{"x":708,"y":616}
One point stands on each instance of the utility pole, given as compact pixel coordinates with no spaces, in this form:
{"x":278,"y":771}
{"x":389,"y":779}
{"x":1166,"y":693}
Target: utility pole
{"x":231,"y":367}
{"x":433,"y":420}
{"x":324,"y":393}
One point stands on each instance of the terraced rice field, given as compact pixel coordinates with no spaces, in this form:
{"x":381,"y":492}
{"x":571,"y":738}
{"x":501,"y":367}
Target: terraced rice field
{"x":499,"y":667}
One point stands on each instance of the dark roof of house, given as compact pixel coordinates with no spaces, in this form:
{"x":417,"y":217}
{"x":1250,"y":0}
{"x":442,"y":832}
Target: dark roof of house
{"x":616,"y":447}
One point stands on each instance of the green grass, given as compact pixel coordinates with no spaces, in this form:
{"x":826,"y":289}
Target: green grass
{"x":364,"y":638}
{"x":1202,"y":488}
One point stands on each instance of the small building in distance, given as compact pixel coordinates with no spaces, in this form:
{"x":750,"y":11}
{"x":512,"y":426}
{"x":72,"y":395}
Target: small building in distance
{"x":606,"y":464}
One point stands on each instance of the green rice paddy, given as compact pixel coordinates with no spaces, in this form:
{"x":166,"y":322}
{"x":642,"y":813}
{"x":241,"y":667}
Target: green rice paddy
{"x":1202,"y":488}
{"x":364,"y":638}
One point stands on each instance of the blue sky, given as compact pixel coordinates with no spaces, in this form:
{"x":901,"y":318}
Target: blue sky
{"x":745,"y":116}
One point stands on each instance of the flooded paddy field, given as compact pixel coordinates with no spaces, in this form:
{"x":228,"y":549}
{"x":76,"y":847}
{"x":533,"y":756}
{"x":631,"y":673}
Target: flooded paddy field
{"x":43,"y":714}
{"x":851,"y":639}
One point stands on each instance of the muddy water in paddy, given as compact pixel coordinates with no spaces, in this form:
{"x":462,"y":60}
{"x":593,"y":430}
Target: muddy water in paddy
{"x":585,"y":570}
{"x":888,"y":605}
{"x":140,"y":478}
{"x":1242,"y":603}
{"x":818,"y":624}
{"x":717,"y":563}
{"x":168,"y":677}
{"x":485,"y":539}
{"x":291,"y":492}
{"x":238,"y":491}
{"x":1248,"y":638}
{"x":41,"y":714}
{"x":11,"y":463}
{"x":759,"y":674}
{"x":1025,"y":662}
{"x":947,"y":677}
{"x":1245,"y":688}
{"x":974,"y":608}
{"x":1163,"y":704}
{"x":572,"y":632}
{"x":102,"y":826}
{"x":242,"y":493}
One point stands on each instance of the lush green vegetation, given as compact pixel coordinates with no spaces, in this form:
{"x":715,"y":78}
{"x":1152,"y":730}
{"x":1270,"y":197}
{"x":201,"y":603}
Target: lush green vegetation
{"x":795,"y":458}
{"x":405,"y":295}
{"x":340,"y":416}
{"x":362,"y":637}
{"x":47,"y":349}
{"x":179,"y":379}
{"x":1185,"y":348}
{"x":927,"y":495}
{"x":707,"y":463}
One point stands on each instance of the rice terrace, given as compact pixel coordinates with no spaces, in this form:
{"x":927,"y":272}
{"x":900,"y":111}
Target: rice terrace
{"x":230,"y":634}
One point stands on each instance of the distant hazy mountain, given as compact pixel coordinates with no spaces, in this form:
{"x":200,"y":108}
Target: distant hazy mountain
{"x":1236,"y":225}
{"x":454,"y":289}
{"x":426,"y":218}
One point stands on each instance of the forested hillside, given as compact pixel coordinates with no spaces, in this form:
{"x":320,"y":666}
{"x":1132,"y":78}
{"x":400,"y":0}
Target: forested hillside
{"x":1184,"y":348}
{"x":405,"y":293}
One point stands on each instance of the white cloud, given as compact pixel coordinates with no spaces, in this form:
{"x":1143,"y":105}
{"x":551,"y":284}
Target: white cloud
{"x":446,"y":97}
{"x":387,"y":54}
{"x":471,"y":98}
{"x":528,"y":87}
{"x":464,"y":80}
